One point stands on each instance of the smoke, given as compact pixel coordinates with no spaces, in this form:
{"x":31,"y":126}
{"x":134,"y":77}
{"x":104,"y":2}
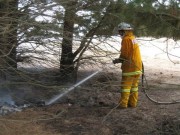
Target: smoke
{"x":5,"y":97}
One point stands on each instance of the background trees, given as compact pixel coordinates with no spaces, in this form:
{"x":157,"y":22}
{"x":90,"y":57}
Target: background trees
{"x":8,"y":35}
{"x":56,"y":34}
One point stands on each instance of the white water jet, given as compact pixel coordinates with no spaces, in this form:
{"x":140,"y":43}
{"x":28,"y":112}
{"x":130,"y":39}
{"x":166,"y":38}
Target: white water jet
{"x":54,"y":99}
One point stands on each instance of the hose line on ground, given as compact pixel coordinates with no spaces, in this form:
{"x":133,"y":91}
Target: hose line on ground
{"x":146,"y":87}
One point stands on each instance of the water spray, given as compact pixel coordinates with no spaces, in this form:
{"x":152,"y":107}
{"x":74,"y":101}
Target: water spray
{"x":54,"y":99}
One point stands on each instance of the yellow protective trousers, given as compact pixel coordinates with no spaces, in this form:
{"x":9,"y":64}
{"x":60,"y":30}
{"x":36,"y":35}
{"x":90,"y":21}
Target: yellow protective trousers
{"x":129,"y":91}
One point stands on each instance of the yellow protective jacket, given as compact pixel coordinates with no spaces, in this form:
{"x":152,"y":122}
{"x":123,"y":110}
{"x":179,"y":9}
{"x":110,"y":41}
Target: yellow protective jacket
{"x":131,"y":53}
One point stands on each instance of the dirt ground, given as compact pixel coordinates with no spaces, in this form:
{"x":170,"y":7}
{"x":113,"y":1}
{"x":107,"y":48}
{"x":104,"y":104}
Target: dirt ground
{"x":91,"y":110}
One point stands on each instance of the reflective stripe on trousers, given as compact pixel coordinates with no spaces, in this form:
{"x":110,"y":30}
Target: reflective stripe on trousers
{"x":132,"y":73}
{"x":130,"y":90}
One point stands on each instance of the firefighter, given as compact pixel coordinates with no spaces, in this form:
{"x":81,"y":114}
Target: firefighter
{"x":130,"y":57}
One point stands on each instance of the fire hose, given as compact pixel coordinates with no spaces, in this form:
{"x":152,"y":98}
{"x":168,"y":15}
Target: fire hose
{"x":144,"y":90}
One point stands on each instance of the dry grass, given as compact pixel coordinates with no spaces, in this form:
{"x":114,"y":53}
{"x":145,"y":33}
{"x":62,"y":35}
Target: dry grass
{"x":24,"y":123}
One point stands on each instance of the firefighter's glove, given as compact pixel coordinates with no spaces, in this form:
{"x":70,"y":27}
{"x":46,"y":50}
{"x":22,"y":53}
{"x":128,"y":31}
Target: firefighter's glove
{"x":118,"y":60}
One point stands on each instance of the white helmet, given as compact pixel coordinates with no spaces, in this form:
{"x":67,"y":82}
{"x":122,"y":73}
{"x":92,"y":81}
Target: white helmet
{"x":124,"y":26}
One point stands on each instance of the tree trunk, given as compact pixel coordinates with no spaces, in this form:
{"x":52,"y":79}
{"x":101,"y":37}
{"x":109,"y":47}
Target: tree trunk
{"x":66,"y":63}
{"x":8,"y":35}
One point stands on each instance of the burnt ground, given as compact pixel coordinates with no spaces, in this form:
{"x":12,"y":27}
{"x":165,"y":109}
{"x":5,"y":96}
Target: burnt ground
{"x":91,"y":110}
